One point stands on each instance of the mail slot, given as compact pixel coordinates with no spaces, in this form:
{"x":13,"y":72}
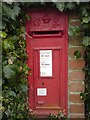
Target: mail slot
{"x":46,"y":33}
{"x":47,"y":49}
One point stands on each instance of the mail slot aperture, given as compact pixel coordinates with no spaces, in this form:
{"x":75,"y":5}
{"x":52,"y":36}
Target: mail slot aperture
{"x":46,"y":33}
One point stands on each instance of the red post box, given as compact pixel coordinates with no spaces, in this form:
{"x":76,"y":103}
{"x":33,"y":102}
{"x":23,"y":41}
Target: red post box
{"x":47,"y":49}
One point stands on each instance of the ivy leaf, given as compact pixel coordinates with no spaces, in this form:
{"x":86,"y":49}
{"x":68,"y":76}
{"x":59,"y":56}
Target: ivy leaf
{"x":11,"y":12}
{"x":86,"y":41}
{"x":8,"y":45}
{"x":24,"y":88}
{"x":86,"y":19}
{"x":3,"y":34}
{"x":8,"y":71}
{"x":84,"y":11}
{"x":73,"y":30}
{"x":16,"y":11}
{"x":13,"y":39}
{"x":7,"y":11}
{"x":13,"y":59}
{"x":12,"y":93}
{"x":83,"y":96}
{"x":60,"y":6}
{"x":70,"y":5}
{"x":77,"y":54}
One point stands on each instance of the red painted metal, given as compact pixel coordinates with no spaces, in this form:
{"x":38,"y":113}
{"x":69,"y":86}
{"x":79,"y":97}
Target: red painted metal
{"x":47,"y":30}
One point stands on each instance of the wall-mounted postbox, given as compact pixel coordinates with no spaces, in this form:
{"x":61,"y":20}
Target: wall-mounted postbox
{"x":47,"y":43}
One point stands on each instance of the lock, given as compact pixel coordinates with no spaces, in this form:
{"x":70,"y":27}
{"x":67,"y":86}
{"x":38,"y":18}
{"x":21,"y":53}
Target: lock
{"x":40,"y":102}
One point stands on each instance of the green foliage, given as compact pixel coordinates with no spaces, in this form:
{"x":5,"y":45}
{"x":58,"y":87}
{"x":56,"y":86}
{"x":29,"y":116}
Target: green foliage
{"x":85,"y":18}
{"x":73,"y":30}
{"x":15,"y":69}
{"x":11,"y":11}
{"x":64,"y":6}
{"x":60,"y":6}
{"x":3,"y":34}
{"x":71,"y":5}
{"x":86,"y":41}
{"x":61,"y":116}
{"x":8,"y":71}
{"x":77,"y":54}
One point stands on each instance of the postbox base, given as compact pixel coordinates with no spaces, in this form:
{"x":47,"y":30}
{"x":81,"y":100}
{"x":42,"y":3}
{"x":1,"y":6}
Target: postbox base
{"x":45,"y":114}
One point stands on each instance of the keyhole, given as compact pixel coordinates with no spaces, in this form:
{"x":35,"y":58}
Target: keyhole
{"x":42,"y":83}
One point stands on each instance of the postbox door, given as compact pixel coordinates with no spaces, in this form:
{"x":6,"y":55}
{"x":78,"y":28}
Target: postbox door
{"x":47,"y":76}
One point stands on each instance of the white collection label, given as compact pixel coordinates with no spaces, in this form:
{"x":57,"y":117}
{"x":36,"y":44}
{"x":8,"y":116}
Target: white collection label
{"x":45,"y":63}
{"x":41,"y":92}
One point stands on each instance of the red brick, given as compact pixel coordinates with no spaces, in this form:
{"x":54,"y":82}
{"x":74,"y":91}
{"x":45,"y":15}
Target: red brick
{"x":77,"y":75}
{"x":77,"y":117}
{"x":73,"y":15}
{"x":77,"y":108}
{"x":77,"y":64}
{"x":76,"y":40}
{"x":76,"y":87}
{"x":75,"y":98}
{"x":75,"y":23}
{"x":73,"y":49}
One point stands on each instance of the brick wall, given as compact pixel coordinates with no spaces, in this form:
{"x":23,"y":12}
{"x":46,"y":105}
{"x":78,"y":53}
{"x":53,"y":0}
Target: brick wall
{"x":76,"y":75}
